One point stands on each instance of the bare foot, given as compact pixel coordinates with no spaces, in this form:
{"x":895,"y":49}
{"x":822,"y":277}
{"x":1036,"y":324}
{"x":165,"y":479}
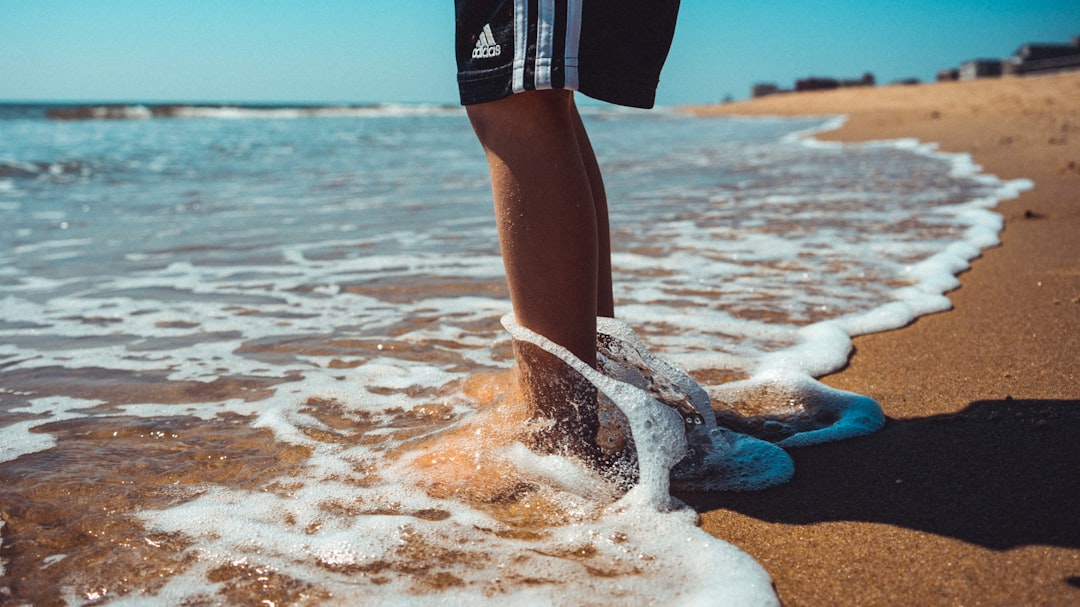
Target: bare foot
{"x":543,"y":404}
{"x":468,"y":461}
{"x":563,"y":404}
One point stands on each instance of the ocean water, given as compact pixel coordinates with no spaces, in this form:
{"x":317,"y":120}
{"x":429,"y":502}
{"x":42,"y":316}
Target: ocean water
{"x":259,"y":355}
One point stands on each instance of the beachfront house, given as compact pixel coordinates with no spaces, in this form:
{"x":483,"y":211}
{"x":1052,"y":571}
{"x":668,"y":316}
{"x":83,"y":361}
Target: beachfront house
{"x":980,"y":68}
{"x":1041,"y":58}
{"x":764,"y":89}
{"x":948,"y":75}
{"x":815,"y":83}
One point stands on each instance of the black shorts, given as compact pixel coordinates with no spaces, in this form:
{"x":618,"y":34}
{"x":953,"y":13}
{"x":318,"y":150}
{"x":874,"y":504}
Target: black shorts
{"x":611,"y":50}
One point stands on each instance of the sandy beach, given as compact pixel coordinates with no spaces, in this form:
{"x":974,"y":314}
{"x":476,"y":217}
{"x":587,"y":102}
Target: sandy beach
{"x":969,"y":495}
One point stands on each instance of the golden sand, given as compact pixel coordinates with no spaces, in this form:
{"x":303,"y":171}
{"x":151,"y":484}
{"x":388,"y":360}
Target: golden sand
{"x":970,"y":494}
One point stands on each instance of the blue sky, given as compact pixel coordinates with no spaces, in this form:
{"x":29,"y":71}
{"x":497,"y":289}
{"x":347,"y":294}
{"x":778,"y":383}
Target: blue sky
{"x":401,"y":50}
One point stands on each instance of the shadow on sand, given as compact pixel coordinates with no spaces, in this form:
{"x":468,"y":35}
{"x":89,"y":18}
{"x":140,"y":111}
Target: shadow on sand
{"x":1000,"y":474}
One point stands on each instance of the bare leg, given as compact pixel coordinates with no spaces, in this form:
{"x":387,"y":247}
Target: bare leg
{"x":545,"y":214}
{"x":605,"y":302}
{"x":551,"y":214}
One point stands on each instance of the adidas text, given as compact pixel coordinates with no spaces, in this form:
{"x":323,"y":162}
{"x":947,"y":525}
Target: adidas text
{"x":486,"y":47}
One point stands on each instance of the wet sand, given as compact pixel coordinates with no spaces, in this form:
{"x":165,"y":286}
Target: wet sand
{"x":970,"y":494}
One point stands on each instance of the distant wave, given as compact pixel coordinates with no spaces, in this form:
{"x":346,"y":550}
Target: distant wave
{"x":172,"y":110}
{"x":34,"y":170}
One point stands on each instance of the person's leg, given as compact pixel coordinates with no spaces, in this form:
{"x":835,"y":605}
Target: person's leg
{"x":546,"y":215}
{"x":605,"y":303}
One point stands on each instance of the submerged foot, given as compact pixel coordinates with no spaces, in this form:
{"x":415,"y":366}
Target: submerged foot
{"x":479,"y":460}
{"x":562,"y":403}
{"x":468,"y":461}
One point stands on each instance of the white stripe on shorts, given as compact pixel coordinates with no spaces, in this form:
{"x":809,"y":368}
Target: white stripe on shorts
{"x":521,"y":40}
{"x":573,"y":38}
{"x":545,"y":44}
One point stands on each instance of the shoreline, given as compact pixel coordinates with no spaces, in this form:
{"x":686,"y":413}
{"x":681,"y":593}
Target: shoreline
{"x":965,"y":496}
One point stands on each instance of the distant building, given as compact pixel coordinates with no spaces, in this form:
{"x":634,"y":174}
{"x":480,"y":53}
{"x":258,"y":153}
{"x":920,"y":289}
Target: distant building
{"x":949,"y":75}
{"x":866,"y":80}
{"x":980,"y":68}
{"x":823,"y":84}
{"x":816,"y":84}
{"x":1028,"y":59}
{"x":1035,"y":58}
{"x":764,"y":89}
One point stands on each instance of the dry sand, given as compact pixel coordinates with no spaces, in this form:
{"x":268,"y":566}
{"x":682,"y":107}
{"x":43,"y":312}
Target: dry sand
{"x":971,"y":493}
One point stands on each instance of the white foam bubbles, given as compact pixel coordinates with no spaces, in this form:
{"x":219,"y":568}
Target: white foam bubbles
{"x":18,"y":439}
{"x":822,"y":347}
{"x":633,"y":553}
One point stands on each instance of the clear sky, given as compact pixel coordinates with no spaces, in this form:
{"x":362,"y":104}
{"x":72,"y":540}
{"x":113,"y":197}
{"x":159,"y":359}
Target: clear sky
{"x":402,"y":50}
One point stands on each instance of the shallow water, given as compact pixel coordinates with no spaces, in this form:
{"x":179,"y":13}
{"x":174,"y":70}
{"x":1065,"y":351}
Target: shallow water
{"x":225,"y":342}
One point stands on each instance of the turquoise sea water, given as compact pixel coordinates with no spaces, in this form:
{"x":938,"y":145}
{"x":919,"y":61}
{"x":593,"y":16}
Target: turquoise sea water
{"x":220,"y":330}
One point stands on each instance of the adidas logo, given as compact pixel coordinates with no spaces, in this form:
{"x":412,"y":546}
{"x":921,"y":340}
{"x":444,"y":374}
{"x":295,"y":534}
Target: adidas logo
{"x":486,"y":47}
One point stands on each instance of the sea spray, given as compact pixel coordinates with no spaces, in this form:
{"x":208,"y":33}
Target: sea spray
{"x":663,"y":438}
{"x":657,"y":430}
